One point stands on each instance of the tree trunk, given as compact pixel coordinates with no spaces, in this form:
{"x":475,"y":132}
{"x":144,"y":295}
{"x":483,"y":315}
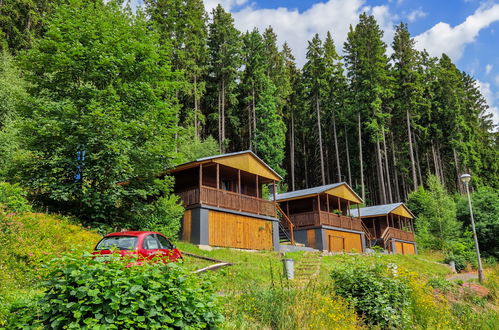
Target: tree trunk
{"x":317,"y":108}
{"x":254,"y":109}
{"x":196,"y":127}
{"x":220,"y":118}
{"x":418,"y":164}
{"x":388,"y":181}
{"x":395,"y":175}
{"x":338,"y":166}
{"x":381,"y":181}
{"x":223,"y":117}
{"x":292,"y":151}
{"x":411,"y":153}
{"x":348,"y":158}
{"x":435,"y":163}
{"x":306,"y":161}
{"x":360,"y":159}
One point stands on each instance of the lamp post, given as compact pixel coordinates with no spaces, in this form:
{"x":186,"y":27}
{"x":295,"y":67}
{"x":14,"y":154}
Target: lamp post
{"x":465,"y":178}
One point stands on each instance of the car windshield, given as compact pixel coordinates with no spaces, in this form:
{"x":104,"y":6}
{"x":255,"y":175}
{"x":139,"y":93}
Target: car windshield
{"x":117,"y":242}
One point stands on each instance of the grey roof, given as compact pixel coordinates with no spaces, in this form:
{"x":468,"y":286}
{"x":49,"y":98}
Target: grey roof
{"x":233,"y":154}
{"x":311,"y":191}
{"x":376,"y":210}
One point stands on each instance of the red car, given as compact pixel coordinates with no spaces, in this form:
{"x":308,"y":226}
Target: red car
{"x":144,"y":244}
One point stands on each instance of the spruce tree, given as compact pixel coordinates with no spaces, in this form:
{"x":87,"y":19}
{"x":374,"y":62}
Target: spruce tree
{"x":224,"y":45}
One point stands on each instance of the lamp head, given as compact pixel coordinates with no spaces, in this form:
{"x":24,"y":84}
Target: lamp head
{"x":465,"y":178}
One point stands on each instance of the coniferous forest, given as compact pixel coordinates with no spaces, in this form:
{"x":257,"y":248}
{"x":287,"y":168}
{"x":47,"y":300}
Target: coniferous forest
{"x":94,"y":93}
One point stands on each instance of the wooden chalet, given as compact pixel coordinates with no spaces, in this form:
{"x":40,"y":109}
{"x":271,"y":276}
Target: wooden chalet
{"x":224,"y":201}
{"x":322,"y":217}
{"x":389,"y":226}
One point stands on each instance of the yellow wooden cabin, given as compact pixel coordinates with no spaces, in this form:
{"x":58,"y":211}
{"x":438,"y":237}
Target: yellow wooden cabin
{"x":389,"y":226}
{"x":224,"y":201}
{"x":322,"y":217}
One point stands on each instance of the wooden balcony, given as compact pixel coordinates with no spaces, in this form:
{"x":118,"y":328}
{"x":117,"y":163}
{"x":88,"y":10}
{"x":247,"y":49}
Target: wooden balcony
{"x":399,"y":234}
{"x":315,"y":218}
{"x":228,"y":200}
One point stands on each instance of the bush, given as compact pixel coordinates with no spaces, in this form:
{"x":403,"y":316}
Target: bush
{"x":376,"y":293}
{"x":85,"y":293}
{"x":164,"y":216}
{"x":14,"y":197}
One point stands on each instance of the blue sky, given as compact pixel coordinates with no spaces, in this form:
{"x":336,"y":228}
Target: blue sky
{"x":466,"y":30}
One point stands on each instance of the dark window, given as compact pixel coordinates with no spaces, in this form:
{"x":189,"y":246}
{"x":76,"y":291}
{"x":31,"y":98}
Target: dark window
{"x":150,"y":243}
{"x":164,"y":242}
{"x":227,"y":185}
{"x":117,"y":242}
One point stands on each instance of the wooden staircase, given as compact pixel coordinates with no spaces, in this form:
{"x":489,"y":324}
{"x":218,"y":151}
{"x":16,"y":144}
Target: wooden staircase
{"x":286,"y":232}
{"x":308,"y":267}
{"x":369,"y":236}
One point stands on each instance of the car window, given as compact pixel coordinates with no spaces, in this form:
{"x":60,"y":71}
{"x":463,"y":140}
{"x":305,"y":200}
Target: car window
{"x":117,"y":242}
{"x":164,"y":242}
{"x":151,"y":243}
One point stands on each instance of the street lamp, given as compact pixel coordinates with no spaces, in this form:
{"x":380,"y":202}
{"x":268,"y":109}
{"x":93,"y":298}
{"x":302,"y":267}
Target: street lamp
{"x":465,"y":178}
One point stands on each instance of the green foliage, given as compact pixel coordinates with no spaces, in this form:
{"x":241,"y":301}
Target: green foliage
{"x":163,"y":215}
{"x":374,"y":291}
{"x":13,"y":197}
{"x":103,"y":87}
{"x":84,"y":293}
{"x":436,"y":224}
{"x":270,"y":135}
{"x":191,"y":147}
{"x":485,"y":203}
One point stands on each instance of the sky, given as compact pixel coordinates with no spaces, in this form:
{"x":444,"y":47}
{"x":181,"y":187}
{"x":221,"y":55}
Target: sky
{"x":466,"y":30}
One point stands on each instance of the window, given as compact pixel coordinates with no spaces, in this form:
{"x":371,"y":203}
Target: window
{"x":227,"y":185}
{"x":150,"y":243}
{"x":164,"y":242}
{"x":117,"y":242}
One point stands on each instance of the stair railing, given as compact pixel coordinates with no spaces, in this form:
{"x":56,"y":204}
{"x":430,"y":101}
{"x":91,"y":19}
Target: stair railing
{"x":369,"y":236}
{"x":386,"y":237}
{"x":290,"y":224}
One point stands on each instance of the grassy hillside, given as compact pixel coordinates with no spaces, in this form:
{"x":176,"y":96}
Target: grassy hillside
{"x":253,"y":292}
{"x":27,"y":240}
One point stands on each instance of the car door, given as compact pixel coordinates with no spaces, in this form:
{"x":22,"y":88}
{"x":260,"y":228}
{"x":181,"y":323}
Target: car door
{"x":151,"y":247}
{"x":168,"y":248}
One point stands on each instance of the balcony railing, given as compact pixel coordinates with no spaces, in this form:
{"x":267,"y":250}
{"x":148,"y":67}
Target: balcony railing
{"x":315,"y":218}
{"x":228,"y":199}
{"x":399,"y":234}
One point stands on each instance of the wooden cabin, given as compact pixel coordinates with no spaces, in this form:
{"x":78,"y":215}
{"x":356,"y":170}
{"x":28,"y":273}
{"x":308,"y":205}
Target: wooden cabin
{"x":390,"y":226}
{"x":322,"y":217}
{"x":224,"y":202}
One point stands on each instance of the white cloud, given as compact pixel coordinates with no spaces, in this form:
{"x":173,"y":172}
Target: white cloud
{"x":497,"y":80}
{"x":297,"y":27}
{"x":227,"y":4}
{"x":492,"y":100}
{"x":442,"y":38}
{"x":488,"y":68}
{"x":415,"y":14}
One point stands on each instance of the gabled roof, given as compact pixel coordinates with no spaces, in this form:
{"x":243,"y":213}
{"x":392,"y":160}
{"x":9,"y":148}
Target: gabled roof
{"x":243,"y":160}
{"x":341,"y":189}
{"x":381,"y":210}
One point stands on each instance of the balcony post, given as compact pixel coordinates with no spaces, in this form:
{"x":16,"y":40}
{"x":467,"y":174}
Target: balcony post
{"x":398,"y":216}
{"x":239,"y":189}
{"x":275,"y":199}
{"x":257,"y":195}
{"x":327,"y":200}
{"x":200,"y":182}
{"x":387,"y":222}
{"x":218,"y":184}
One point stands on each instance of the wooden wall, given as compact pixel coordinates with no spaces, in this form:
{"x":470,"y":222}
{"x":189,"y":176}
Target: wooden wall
{"x":338,"y":241}
{"x":404,"y":248}
{"x":187,"y":226}
{"x":237,"y":231}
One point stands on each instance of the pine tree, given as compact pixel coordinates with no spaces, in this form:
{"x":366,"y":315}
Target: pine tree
{"x":314,"y":80}
{"x":367,"y":66}
{"x":224,"y":59}
{"x":269,"y":140}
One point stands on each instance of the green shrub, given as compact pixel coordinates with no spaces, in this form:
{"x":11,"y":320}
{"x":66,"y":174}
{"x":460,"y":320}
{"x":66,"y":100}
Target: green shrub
{"x":14,"y":197}
{"x":440,"y":284}
{"x":164,"y":216}
{"x":82,"y":293}
{"x":376,"y":293}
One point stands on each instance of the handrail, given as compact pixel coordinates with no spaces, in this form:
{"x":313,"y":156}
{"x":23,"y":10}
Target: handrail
{"x":367,"y":232}
{"x":386,"y":237}
{"x":291,"y":225}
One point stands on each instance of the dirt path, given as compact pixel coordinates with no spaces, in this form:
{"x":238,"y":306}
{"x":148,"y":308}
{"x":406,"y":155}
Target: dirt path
{"x":465,"y":277}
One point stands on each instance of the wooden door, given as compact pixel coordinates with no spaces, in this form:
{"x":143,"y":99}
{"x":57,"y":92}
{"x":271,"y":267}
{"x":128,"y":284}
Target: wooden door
{"x":408,"y":248}
{"x":399,"y":247}
{"x":336,"y":243}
